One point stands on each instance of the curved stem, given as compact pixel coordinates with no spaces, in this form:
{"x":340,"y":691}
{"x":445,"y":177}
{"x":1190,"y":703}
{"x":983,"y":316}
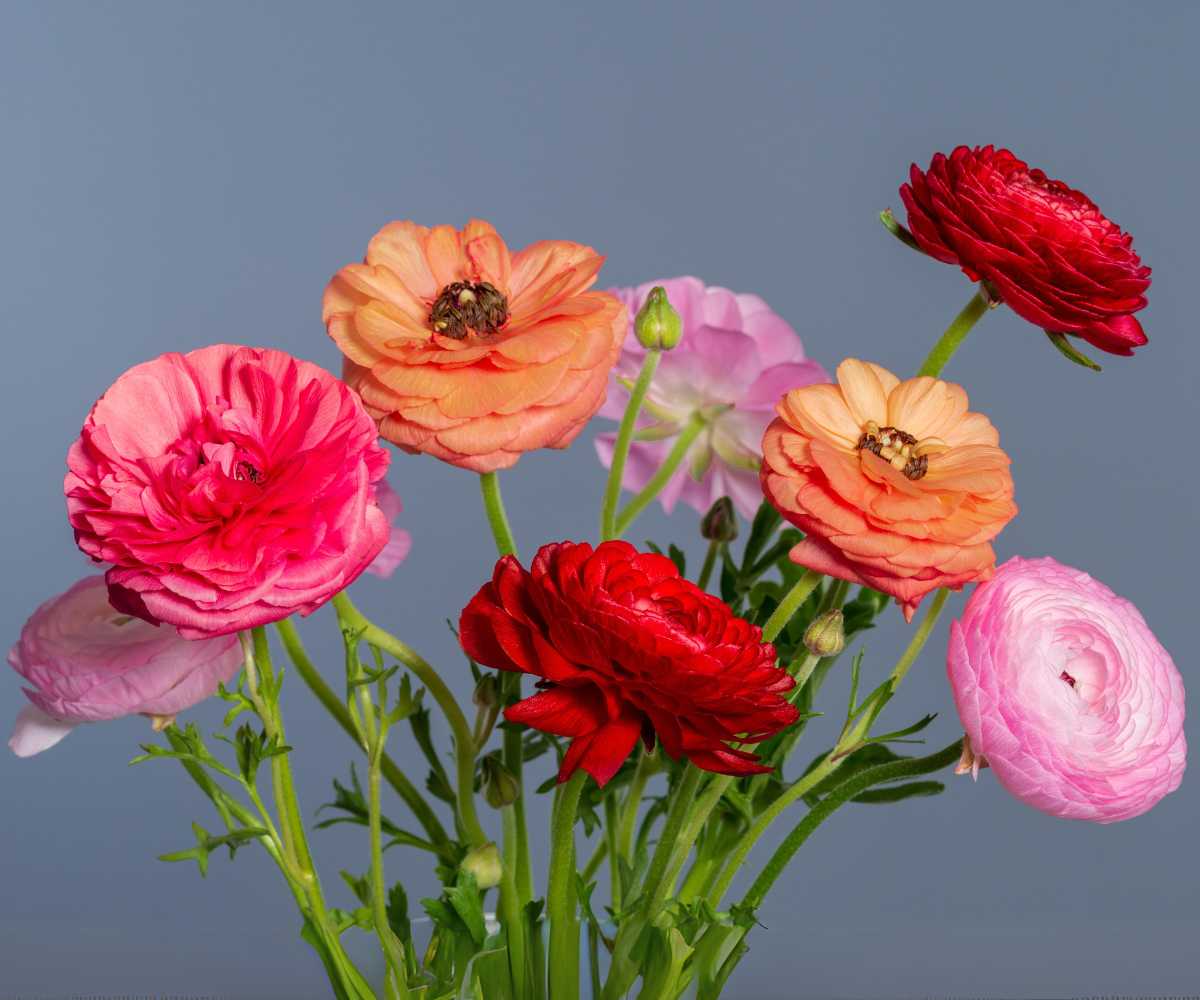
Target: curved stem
{"x":334,"y":705}
{"x":464,"y":742}
{"x":612,"y":490}
{"x":633,"y":801}
{"x":920,"y":637}
{"x":493,"y":504}
{"x":560,"y":893}
{"x":691,"y":430}
{"x":790,"y":604}
{"x":710,"y":561}
{"x":853,"y":786}
{"x":955,"y":334}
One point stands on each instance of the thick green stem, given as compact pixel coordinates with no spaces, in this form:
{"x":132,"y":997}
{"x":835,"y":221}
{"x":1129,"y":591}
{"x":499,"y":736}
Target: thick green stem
{"x":790,"y":604}
{"x":334,"y":705}
{"x":612,"y":490}
{"x":633,"y":801}
{"x":560,"y":893}
{"x":691,"y":430}
{"x":493,"y":504}
{"x":955,"y":334}
{"x":511,"y":907}
{"x":464,"y":741}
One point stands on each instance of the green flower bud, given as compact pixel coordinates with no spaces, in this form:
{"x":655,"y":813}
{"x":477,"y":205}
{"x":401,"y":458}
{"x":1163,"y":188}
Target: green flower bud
{"x":500,"y":787}
{"x":720,"y":523}
{"x":826,"y":634}
{"x":484,"y":863}
{"x":657,"y":324}
{"x":487,"y":692}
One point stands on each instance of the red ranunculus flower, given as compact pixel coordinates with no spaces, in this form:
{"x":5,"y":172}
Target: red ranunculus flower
{"x":1046,"y":248}
{"x":625,"y":648}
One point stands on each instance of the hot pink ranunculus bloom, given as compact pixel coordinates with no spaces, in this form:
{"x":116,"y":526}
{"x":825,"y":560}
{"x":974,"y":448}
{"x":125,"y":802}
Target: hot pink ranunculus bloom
{"x":1065,"y":693}
{"x":735,"y":360}
{"x":227,"y":487}
{"x":84,"y":661}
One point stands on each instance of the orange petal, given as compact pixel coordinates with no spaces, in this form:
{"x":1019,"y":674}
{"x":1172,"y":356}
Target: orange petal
{"x":866,"y":387}
{"x":400,"y":247}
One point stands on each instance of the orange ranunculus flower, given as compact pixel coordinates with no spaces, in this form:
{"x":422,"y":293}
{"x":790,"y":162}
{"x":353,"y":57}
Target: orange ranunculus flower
{"x":895,"y":484}
{"x":471,"y":354}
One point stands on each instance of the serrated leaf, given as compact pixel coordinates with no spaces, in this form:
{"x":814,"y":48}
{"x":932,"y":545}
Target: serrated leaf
{"x":465,"y":898}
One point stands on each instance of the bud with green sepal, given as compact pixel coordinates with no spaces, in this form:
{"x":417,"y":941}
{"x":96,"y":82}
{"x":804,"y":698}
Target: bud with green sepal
{"x":657,"y":325}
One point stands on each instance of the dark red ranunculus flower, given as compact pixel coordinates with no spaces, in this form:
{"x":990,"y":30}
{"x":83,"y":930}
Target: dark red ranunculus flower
{"x":625,"y":648}
{"x":1046,"y":248}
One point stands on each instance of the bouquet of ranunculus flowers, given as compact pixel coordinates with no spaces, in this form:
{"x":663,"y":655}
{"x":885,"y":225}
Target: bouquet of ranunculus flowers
{"x":234,"y":488}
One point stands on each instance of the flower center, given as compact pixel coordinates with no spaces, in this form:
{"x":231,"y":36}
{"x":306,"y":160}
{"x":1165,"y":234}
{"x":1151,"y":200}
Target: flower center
{"x":900,"y":449}
{"x":463,"y":306}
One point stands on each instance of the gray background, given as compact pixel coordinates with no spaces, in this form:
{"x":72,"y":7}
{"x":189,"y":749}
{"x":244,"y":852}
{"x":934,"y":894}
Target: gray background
{"x":177,"y":174}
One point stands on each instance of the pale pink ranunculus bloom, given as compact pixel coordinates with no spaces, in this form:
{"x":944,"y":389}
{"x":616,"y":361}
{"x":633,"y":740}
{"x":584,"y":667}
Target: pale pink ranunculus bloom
{"x":228,"y":488}
{"x":84,"y":661}
{"x":1066,"y":694}
{"x":735,"y":360}
{"x":400,"y":542}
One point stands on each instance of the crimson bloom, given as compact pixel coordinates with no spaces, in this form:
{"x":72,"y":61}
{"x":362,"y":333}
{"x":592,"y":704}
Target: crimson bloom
{"x":1051,"y":254}
{"x":625,"y":648}
{"x":227,"y":488}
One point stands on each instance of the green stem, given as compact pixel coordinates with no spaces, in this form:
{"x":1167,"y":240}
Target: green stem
{"x":920,"y":637}
{"x":396,"y":979}
{"x":612,"y":490}
{"x":464,"y":742}
{"x":690,"y":833}
{"x":691,"y":430}
{"x":334,"y":705}
{"x":790,"y":604}
{"x":955,"y":334}
{"x":295,"y":842}
{"x":493,"y":504}
{"x":744,"y":846}
{"x":710,"y":561}
{"x":610,"y":842}
{"x":511,"y":907}
{"x":853,"y":786}
{"x":561,"y":895}
{"x":633,"y":801}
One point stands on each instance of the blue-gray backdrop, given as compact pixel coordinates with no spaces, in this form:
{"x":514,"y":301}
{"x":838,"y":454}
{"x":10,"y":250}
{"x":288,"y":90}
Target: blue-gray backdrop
{"x":177,"y":174}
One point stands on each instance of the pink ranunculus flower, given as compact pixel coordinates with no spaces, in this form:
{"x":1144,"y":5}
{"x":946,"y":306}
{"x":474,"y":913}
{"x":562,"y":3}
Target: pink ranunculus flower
{"x":228,"y":488}
{"x":735,"y":360}
{"x":1065,"y":693}
{"x":87,"y":662}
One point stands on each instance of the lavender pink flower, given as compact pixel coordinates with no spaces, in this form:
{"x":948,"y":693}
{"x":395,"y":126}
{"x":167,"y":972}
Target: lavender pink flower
{"x":1066,"y":694}
{"x":228,"y":488}
{"x":84,"y":661}
{"x":734,"y":362}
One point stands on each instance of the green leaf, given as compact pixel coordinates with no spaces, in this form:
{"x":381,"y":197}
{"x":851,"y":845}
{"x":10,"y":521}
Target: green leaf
{"x":678,"y":558}
{"x":438,"y":782}
{"x":899,"y":734}
{"x":766,"y":520}
{"x":897,"y":793}
{"x":465,"y":898}
{"x":897,"y":230}
{"x":1071,"y":352}
{"x":206,"y":843}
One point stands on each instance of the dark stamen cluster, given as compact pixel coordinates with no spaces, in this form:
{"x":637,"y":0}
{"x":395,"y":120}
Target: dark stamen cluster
{"x":890,"y":442}
{"x":464,"y":306}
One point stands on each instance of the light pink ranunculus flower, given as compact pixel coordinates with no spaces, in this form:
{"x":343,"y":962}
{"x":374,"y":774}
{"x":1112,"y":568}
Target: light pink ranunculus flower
{"x":735,"y":360}
{"x":400,"y":543}
{"x":228,"y":488}
{"x":1065,"y":693}
{"x":84,"y":661}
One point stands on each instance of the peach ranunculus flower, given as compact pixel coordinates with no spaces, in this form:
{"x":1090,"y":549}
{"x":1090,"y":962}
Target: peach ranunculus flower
{"x":471,"y":354}
{"x":895,"y":484}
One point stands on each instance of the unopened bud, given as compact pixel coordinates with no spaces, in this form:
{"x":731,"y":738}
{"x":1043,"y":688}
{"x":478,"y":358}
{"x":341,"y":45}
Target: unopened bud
{"x":487,"y":692}
{"x":826,"y":634}
{"x":657,"y":324}
{"x":720,"y":523}
{"x":500,"y":788}
{"x":484,"y":863}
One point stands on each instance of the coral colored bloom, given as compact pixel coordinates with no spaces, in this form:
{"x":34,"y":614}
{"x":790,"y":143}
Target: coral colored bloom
{"x":86,"y":662}
{"x":1046,"y":249}
{"x":471,"y":354}
{"x":735,"y":360}
{"x":896,"y":485}
{"x":1065,"y":693}
{"x":625,"y":648}
{"x":400,"y":543}
{"x":228,"y":487}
